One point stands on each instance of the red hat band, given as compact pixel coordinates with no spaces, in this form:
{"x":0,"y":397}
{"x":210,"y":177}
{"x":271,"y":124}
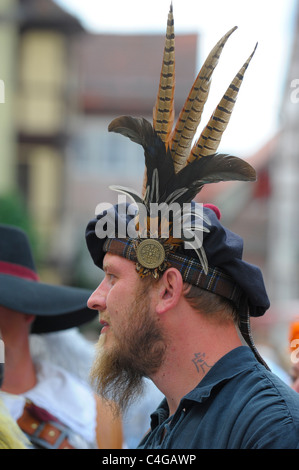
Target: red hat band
{"x":18,"y":271}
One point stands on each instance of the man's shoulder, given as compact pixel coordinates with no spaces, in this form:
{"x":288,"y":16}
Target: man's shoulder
{"x":253,"y":407}
{"x":267,"y":408}
{"x":255,"y":384}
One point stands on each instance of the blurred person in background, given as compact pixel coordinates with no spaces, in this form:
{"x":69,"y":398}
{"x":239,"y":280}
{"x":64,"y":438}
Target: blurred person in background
{"x":294,"y":349}
{"x":52,"y":404}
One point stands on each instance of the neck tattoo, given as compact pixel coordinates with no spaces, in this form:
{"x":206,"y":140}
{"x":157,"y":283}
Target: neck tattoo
{"x":200,"y":363}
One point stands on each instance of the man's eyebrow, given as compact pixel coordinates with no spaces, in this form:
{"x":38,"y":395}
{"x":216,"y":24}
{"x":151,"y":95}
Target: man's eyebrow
{"x":106,"y":267}
{"x":109,"y":267}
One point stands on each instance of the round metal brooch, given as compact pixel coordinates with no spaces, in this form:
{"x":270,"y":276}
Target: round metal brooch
{"x":150,"y":253}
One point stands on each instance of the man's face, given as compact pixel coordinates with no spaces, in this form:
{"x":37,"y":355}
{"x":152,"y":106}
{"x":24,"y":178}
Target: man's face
{"x":131,"y":344}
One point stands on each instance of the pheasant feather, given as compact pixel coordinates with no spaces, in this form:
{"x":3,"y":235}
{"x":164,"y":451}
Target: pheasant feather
{"x":190,"y":116}
{"x":163,"y":113}
{"x":210,"y":137}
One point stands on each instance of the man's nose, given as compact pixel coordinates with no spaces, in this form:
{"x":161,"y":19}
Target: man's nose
{"x":97,"y":300}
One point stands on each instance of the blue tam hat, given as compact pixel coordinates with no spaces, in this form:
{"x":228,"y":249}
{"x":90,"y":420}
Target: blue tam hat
{"x":206,"y":253}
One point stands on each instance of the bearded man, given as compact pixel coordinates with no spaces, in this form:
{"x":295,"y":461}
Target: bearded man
{"x":176,"y":308}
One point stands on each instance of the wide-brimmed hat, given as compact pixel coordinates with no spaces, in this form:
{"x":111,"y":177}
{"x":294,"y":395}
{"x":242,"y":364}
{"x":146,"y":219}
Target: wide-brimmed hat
{"x":56,"y":307}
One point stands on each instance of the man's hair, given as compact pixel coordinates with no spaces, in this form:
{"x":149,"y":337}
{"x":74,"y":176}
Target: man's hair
{"x":208,"y":303}
{"x":215,"y":306}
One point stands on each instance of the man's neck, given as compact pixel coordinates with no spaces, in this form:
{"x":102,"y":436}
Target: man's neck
{"x":186,"y":364}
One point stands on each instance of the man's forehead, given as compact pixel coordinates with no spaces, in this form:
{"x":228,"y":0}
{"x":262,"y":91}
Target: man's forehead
{"x":114,"y":261}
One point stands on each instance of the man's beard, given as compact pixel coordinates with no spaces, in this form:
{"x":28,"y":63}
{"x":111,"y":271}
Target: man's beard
{"x":118,"y":370}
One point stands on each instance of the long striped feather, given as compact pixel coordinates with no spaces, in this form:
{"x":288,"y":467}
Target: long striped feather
{"x":210,"y":138}
{"x":163,"y":112}
{"x":190,"y":116}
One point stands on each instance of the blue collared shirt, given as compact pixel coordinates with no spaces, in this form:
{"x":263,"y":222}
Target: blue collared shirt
{"x":239,"y":404}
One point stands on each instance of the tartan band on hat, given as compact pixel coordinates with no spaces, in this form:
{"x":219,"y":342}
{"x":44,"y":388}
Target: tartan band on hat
{"x":192,"y":272}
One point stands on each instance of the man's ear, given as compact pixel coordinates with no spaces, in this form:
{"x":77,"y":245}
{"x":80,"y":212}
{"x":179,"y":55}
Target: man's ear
{"x":170,"y":290}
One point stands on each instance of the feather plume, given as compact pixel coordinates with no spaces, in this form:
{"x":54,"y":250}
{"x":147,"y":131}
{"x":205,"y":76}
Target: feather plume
{"x":190,"y":115}
{"x":173,"y":174}
{"x":208,"y":169}
{"x":210,"y":137}
{"x":139,"y":130}
{"x":158,"y":161}
{"x":163,"y":112}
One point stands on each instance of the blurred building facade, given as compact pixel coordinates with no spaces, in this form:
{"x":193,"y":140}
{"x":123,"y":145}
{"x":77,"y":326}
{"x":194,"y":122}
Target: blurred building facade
{"x":44,"y":101}
{"x":36,"y":68}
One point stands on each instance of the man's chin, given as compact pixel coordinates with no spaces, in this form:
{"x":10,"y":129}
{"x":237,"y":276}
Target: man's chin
{"x":113,"y":376}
